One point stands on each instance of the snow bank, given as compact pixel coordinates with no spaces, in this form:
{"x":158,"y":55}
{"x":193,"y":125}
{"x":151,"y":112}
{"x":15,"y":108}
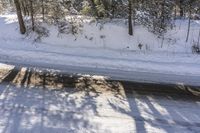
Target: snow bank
{"x":104,"y":46}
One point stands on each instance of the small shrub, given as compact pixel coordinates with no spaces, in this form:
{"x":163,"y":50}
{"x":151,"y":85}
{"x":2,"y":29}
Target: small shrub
{"x":86,"y":10}
{"x":102,"y":36}
{"x":140,"y":46}
{"x":38,"y":33}
{"x":196,"y":49}
{"x":89,"y":38}
{"x":101,"y":27}
{"x":74,"y":27}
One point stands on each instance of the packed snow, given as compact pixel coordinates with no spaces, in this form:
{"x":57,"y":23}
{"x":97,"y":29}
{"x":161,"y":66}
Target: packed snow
{"x":32,"y":100}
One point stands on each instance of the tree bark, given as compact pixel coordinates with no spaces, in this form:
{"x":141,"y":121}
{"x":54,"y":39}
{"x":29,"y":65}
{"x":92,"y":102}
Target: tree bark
{"x":130,"y":23}
{"x":198,"y":42}
{"x":181,"y":8}
{"x":189,"y":23}
{"x":20,"y":17}
{"x":23,"y":8}
{"x":43,"y":10}
{"x":32,"y":15}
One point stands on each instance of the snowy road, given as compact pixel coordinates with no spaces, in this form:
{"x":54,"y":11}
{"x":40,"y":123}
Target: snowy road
{"x":114,"y":74}
{"x":43,"y":100}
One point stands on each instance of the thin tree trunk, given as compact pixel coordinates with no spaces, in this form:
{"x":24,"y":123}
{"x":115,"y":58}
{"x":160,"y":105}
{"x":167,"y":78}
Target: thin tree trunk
{"x":26,"y":7}
{"x":130,"y":24}
{"x":32,"y":15}
{"x":175,"y":12}
{"x":198,"y":43}
{"x":181,"y":8}
{"x":162,"y":15}
{"x":20,"y":17}
{"x":43,"y":10}
{"x":189,"y":23}
{"x":113,"y":9}
{"x":23,"y":7}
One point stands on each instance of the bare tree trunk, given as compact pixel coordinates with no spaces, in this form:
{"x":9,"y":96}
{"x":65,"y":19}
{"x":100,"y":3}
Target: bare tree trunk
{"x":181,"y":8}
{"x":26,"y":7}
{"x":43,"y":10}
{"x":198,"y":42}
{"x":130,"y":24}
{"x":32,"y":15}
{"x":188,"y":32}
{"x":176,"y":9}
{"x":113,"y":9}
{"x":20,"y":18}
{"x":23,"y":8}
{"x":162,"y":15}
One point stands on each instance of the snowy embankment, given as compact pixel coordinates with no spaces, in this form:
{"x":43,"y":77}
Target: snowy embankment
{"x":104,"y":46}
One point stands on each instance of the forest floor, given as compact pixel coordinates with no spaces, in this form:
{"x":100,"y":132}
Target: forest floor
{"x":107,"y":49}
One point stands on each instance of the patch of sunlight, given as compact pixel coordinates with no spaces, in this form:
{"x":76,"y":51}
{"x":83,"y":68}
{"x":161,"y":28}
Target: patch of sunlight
{"x":5,"y":70}
{"x":144,"y":109}
{"x":10,"y":18}
{"x":197,"y":22}
{"x":29,"y":120}
{"x":198,"y":103}
{"x":121,"y":124}
{"x":20,"y":77}
{"x":80,"y":18}
{"x":54,"y":107}
{"x":4,"y":92}
{"x":3,"y":65}
{"x":154,"y":129}
{"x":162,"y":110}
{"x":97,"y":77}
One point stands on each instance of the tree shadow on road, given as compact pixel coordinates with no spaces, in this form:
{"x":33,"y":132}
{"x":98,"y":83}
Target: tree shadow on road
{"x":55,"y":101}
{"x":161,"y":108}
{"x":50,"y":101}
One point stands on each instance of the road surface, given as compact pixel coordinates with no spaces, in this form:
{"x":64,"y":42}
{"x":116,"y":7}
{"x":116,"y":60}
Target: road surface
{"x":48,"y":101}
{"x":114,"y":74}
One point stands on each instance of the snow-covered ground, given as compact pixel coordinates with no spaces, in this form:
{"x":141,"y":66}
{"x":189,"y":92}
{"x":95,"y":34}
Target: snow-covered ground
{"x":35,"y":101}
{"x":104,"y":46}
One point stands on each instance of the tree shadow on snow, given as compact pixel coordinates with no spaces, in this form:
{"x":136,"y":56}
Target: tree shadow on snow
{"x":46,"y":101}
{"x":49,"y":101}
{"x":161,"y":108}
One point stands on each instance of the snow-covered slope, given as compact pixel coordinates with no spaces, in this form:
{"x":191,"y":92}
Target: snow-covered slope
{"x":104,"y":46}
